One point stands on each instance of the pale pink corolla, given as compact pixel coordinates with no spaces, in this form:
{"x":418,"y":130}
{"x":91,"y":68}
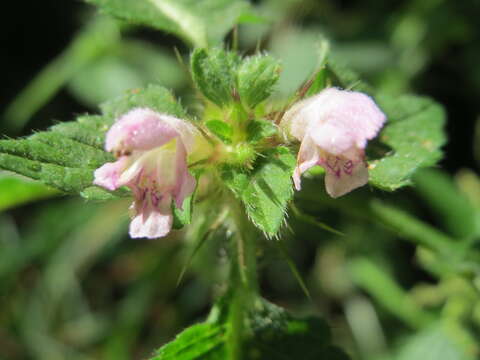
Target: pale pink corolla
{"x":334,"y":127}
{"x":151,"y":150}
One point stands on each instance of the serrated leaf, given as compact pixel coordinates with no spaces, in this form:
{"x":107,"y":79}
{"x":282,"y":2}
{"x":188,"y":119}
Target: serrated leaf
{"x":415,"y":133}
{"x":274,"y":334}
{"x":266,"y":190}
{"x":205,"y":341}
{"x":256,"y":77}
{"x":235,"y":179}
{"x":199,"y":22}
{"x":259,"y":130}
{"x":270,"y":189}
{"x":221,"y":129}
{"x":66,"y":156}
{"x":213,"y":71}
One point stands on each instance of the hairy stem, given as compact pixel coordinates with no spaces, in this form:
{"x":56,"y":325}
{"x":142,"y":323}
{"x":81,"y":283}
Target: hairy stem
{"x":243,"y":286}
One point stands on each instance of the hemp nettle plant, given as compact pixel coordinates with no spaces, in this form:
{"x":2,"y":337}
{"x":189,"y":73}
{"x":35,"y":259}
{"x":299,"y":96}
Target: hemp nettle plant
{"x":234,"y":163}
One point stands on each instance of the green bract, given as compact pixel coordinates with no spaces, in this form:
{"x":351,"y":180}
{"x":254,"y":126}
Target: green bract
{"x":214,"y":73}
{"x":257,"y":75}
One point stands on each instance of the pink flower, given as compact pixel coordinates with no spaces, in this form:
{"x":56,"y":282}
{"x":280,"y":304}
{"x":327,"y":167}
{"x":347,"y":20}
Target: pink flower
{"x":334,"y":127}
{"x":152,"y":151}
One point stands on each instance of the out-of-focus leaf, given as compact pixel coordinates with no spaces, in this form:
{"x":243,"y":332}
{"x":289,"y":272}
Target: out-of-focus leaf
{"x":452,"y":207}
{"x":367,"y":275}
{"x":199,"y":22}
{"x":97,"y":38}
{"x":442,"y":341}
{"x":214,"y":73}
{"x":300,"y":56}
{"x":413,"y":229}
{"x":365,"y":57}
{"x":183,"y":216}
{"x":414,"y":131}
{"x":15,"y":190}
{"x":134,"y":64}
{"x":345,"y":77}
{"x":256,"y":77}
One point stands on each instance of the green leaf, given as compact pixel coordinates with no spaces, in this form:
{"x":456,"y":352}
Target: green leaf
{"x":132,"y":64}
{"x":318,"y":83}
{"x":454,"y":210}
{"x":154,"y":97}
{"x":15,"y":190}
{"x":442,"y":341}
{"x":98,"y":194}
{"x":345,"y":77}
{"x":270,"y":189}
{"x":235,"y":178}
{"x":201,"y":341}
{"x":66,"y":156}
{"x":274,"y":334}
{"x":221,"y":129}
{"x":279,"y":335}
{"x":384,"y":289}
{"x":257,"y":75}
{"x":214,"y":74}
{"x":415,"y":133}
{"x":300,"y":53}
{"x":199,"y":22}
{"x":182,"y":217}
{"x":266,"y":190}
{"x":259,"y":130}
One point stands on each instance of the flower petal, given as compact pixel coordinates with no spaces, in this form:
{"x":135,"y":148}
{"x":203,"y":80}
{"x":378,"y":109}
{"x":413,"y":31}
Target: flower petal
{"x":108,"y":175}
{"x":350,"y":117}
{"x":151,"y":221}
{"x":344,"y":175}
{"x":308,"y":156}
{"x":139,"y":129}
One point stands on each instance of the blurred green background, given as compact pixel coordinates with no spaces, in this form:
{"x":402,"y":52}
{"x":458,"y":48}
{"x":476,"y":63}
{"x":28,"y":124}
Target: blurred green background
{"x":74,"y":286}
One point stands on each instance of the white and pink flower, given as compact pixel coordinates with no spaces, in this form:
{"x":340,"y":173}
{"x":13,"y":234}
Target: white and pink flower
{"x":334,"y":127}
{"x":151,"y":150}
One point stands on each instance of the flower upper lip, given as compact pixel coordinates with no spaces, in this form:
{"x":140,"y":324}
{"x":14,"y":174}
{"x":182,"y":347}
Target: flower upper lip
{"x":334,"y":127}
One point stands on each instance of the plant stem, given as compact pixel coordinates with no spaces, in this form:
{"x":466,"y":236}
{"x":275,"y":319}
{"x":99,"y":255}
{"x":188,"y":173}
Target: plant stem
{"x":243,"y":286}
